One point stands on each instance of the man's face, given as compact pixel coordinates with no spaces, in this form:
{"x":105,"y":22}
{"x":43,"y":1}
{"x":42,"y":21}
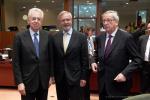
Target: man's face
{"x":66,"y":22}
{"x":109,"y":23}
{"x":35,"y":21}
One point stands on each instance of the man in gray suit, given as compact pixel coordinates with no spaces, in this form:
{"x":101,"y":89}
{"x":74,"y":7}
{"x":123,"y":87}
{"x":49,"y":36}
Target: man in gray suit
{"x":70,"y":59}
{"x":33,"y":59}
{"x":144,"y":45}
{"x":115,"y":47}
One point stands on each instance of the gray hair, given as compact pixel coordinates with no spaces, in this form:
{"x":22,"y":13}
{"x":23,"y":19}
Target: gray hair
{"x":113,"y":13}
{"x":62,"y":13}
{"x":35,"y":10}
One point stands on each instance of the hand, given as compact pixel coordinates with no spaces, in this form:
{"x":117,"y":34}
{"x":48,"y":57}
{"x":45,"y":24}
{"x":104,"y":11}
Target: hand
{"x":82,"y":83}
{"x":51,"y":80}
{"x":94,"y":67}
{"x":120,"y":78}
{"x":21,"y":89}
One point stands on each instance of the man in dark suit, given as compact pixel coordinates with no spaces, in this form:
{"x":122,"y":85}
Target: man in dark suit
{"x":32,"y":59}
{"x":144,"y":45}
{"x":115,"y":47}
{"x":70,"y":59}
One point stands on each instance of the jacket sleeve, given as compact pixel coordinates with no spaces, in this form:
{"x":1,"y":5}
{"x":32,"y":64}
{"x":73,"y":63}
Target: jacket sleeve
{"x":84,"y":58}
{"x":16,"y":59}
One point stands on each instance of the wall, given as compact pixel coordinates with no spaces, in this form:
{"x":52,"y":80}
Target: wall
{"x":10,"y":14}
{"x":14,"y":14}
{"x":49,"y":18}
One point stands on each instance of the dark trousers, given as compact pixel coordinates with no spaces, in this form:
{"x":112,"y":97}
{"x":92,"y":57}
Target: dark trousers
{"x":145,"y":78}
{"x":86,"y":89}
{"x":103,"y":95}
{"x":39,"y":94}
{"x":68,"y":92}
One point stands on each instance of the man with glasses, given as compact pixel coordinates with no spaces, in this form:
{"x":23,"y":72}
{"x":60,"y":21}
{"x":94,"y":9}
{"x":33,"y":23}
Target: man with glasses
{"x":115,"y":47}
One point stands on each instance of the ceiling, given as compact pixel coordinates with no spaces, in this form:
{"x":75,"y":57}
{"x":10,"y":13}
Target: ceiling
{"x":58,"y":4}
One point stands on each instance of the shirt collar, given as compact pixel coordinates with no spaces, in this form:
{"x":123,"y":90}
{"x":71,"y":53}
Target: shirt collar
{"x":69,"y":32}
{"x":32,"y":32}
{"x":113,"y":33}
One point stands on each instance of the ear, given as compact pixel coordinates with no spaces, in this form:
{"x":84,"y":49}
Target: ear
{"x":116,"y":24}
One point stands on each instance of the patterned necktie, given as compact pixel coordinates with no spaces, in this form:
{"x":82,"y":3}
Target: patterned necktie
{"x":108,"y":45}
{"x":36,"y":44}
{"x":65,"y":41}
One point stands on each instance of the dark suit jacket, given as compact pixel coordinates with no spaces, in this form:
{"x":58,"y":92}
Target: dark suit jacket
{"x":145,"y":68}
{"x":123,"y":48}
{"x":74,"y":63}
{"x":142,"y":44}
{"x":28,"y":68}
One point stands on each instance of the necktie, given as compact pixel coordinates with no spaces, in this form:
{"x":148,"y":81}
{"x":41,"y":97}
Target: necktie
{"x":108,"y":45}
{"x":65,"y":41}
{"x":36,"y":44}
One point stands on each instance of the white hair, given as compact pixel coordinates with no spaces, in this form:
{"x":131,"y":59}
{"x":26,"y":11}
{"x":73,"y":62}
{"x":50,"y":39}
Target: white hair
{"x":35,"y":10}
{"x":113,"y":13}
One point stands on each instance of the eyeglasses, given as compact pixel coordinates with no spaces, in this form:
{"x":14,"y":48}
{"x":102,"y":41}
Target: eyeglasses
{"x":107,"y":20}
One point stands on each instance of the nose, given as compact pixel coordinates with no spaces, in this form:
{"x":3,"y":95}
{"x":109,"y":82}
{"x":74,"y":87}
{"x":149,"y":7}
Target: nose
{"x":36,"y":20}
{"x":65,"y":21}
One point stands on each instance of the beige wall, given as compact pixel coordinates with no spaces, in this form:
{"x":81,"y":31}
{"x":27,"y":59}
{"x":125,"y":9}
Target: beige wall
{"x":10,"y":15}
{"x":49,"y":18}
{"x":13,"y":16}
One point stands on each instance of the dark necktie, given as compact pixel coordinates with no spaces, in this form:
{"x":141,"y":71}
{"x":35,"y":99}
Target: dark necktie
{"x":108,"y":45}
{"x":36,"y":44}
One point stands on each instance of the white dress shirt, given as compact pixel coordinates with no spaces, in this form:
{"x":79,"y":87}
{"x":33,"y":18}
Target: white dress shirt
{"x":32,"y":34}
{"x":147,"y":51}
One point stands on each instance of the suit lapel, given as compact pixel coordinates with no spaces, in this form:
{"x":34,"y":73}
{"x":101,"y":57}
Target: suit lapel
{"x":29,"y":41}
{"x":144,"y":43}
{"x":71,"y":42}
{"x":115,"y":42}
{"x":103,"y":45}
{"x":41,"y":41}
{"x":60,"y":42}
